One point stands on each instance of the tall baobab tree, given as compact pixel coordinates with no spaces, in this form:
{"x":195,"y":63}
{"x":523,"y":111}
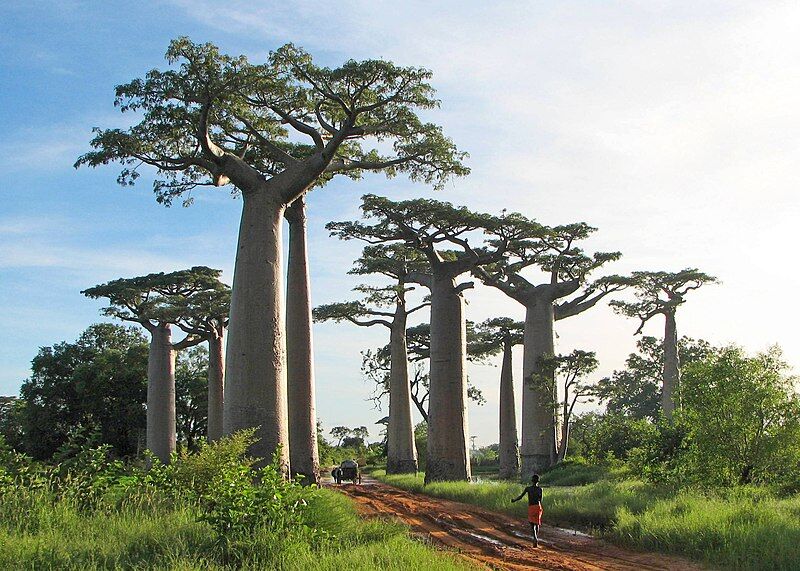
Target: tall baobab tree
{"x":501,"y":334}
{"x":386,"y":306}
{"x":150,"y":301}
{"x":303,"y":451}
{"x":555,"y":252}
{"x":204,"y":315}
{"x":427,"y":225}
{"x":661,"y":293}
{"x":214,"y":120}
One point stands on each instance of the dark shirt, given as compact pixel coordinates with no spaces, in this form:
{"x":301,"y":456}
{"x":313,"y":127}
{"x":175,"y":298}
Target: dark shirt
{"x":534,"y":495}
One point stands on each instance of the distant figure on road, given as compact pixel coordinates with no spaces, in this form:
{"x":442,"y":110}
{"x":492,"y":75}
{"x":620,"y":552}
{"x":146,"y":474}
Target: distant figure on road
{"x":534,"y":506}
{"x":336,"y":473}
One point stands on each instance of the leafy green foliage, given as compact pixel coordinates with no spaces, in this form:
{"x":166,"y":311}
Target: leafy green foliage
{"x":99,"y":381}
{"x":492,"y":335}
{"x":11,"y":430}
{"x":427,"y":225}
{"x":191,"y":397}
{"x":193,"y":299}
{"x":743,"y":418}
{"x":600,"y":438}
{"x":211,"y":114}
{"x":635,"y":391}
{"x":739,"y":424}
{"x":94,"y":391}
{"x":659,"y":292}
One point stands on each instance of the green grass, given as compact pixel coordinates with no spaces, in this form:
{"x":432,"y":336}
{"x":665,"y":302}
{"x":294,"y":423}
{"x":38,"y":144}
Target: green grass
{"x":743,"y":529}
{"x":59,"y":537}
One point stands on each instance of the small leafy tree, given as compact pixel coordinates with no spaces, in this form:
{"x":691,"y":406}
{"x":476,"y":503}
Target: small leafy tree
{"x":100,"y":380}
{"x":742,"y":417}
{"x":570,"y":371}
{"x":191,"y":397}
{"x":340,"y":433}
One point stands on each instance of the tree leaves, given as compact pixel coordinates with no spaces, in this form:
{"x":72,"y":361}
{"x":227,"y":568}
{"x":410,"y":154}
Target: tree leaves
{"x":214,"y":119}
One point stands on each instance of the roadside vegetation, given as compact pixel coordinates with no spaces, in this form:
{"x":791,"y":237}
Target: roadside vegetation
{"x":744,"y":528}
{"x":717,"y":483}
{"x":204,"y":510}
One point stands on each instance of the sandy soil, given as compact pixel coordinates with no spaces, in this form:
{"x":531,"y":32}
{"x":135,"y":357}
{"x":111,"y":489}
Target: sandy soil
{"x":498,"y":541}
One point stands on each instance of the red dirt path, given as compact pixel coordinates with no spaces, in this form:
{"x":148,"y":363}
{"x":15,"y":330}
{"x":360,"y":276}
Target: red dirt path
{"x":498,"y":541}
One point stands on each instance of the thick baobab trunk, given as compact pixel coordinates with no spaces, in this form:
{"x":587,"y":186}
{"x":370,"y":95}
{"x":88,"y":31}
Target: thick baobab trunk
{"x":161,"y":393}
{"x":216,"y":385}
{"x":538,"y":402}
{"x":671,"y":365}
{"x":448,"y":456}
{"x":255,"y":373}
{"x":509,"y":447}
{"x":304,"y":454}
{"x":402,"y":452}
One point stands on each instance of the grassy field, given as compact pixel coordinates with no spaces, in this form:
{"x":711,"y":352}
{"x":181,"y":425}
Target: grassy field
{"x":60,"y":537}
{"x":743,"y":529}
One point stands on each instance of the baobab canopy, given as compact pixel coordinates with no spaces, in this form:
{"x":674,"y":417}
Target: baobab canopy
{"x":210,"y":113}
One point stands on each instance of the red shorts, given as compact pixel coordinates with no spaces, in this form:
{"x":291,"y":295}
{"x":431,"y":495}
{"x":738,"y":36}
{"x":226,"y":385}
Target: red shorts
{"x":535,"y":514}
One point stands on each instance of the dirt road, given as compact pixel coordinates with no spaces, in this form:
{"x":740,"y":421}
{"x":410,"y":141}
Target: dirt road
{"x":498,"y":541}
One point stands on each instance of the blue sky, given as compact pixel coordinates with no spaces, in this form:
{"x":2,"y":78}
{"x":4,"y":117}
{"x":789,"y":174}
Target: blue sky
{"x":672,"y":126}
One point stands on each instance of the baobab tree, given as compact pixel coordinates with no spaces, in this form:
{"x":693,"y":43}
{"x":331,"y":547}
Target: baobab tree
{"x":151,"y":301}
{"x":376,"y":366}
{"x":426,"y":225}
{"x":302,"y":411}
{"x":501,"y":334}
{"x":661,"y":293}
{"x":204,"y":315}
{"x":554,"y":251}
{"x":216,"y":120}
{"x":570,"y":371}
{"x":386,"y":306}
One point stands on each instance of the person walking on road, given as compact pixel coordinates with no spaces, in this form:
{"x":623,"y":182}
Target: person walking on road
{"x":534,"y":506}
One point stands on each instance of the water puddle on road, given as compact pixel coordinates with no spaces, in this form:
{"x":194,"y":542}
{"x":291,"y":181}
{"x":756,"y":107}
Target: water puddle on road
{"x":487,"y":539}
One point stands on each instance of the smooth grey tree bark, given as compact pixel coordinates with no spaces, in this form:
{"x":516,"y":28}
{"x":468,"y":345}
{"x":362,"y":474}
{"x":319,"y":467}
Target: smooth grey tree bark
{"x":161,"y":430}
{"x":509,"y":447}
{"x":304,"y":453}
{"x":216,"y":385}
{"x":538,"y":419}
{"x":448,"y":430}
{"x":402,"y":450}
{"x":161,"y":393}
{"x":671,"y":375}
{"x":256,"y":351}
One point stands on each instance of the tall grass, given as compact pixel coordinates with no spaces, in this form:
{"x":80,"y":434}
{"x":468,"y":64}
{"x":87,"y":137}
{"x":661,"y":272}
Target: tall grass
{"x":748,"y":529}
{"x":65,"y":538}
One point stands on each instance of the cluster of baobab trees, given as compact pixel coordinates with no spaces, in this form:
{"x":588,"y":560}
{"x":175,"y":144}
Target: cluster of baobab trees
{"x":273,"y":131}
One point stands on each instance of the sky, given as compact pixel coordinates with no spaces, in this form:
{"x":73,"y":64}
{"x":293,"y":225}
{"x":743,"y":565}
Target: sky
{"x":673,"y":127}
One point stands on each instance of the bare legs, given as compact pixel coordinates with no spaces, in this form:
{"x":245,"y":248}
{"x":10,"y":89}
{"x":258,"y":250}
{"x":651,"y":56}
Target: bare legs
{"x":535,"y":530}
